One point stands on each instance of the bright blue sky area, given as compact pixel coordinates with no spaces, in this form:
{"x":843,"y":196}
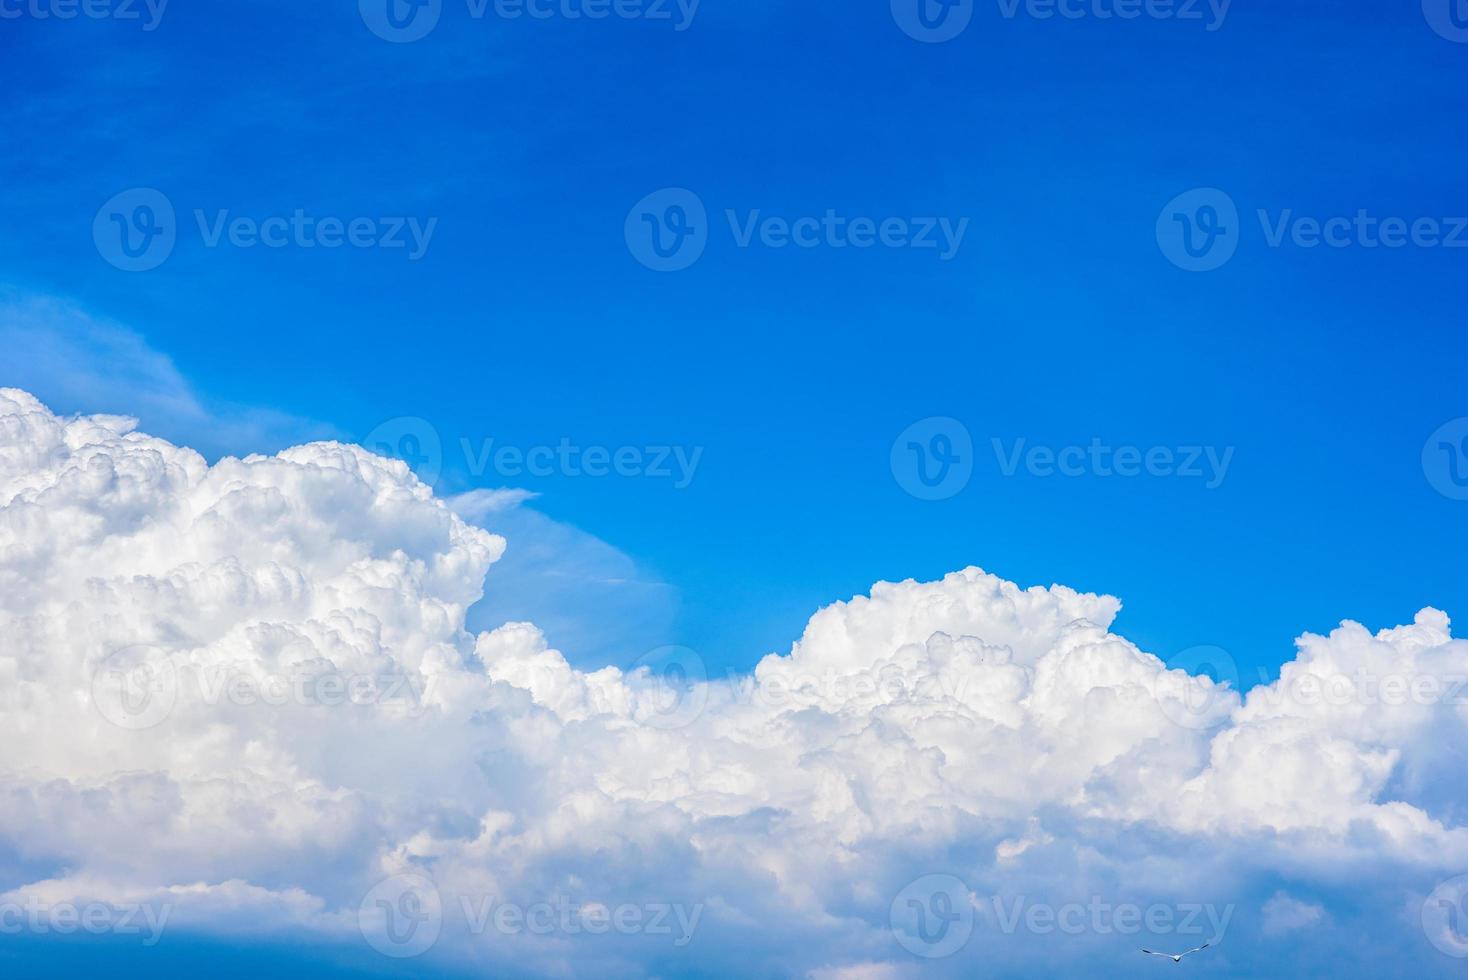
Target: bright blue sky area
{"x":1059,"y":321}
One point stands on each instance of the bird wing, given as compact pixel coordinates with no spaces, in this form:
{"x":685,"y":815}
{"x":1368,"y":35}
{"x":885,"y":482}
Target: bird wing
{"x":1155,"y":953}
{"x":1198,"y":948}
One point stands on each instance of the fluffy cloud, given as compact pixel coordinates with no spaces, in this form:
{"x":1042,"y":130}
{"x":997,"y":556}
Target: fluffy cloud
{"x":245,"y":691}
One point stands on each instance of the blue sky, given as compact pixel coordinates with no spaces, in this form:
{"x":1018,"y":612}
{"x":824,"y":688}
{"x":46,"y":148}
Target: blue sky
{"x":1059,"y":320}
{"x":1313,"y":386}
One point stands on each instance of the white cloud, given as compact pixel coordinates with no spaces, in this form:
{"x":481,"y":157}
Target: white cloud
{"x":862,"y":971}
{"x":1283,"y":913}
{"x":316,"y":719}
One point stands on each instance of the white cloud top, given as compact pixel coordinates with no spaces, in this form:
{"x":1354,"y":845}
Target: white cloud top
{"x":247,"y":691}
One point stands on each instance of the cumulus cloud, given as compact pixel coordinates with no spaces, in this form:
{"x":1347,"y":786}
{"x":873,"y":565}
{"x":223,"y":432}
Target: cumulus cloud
{"x":246,"y":690}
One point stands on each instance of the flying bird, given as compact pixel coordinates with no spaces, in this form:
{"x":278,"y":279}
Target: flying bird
{"x":1177,"y":957}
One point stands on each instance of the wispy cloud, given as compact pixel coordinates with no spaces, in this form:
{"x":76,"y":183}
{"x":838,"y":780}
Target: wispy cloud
{"x":77,"y":361}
